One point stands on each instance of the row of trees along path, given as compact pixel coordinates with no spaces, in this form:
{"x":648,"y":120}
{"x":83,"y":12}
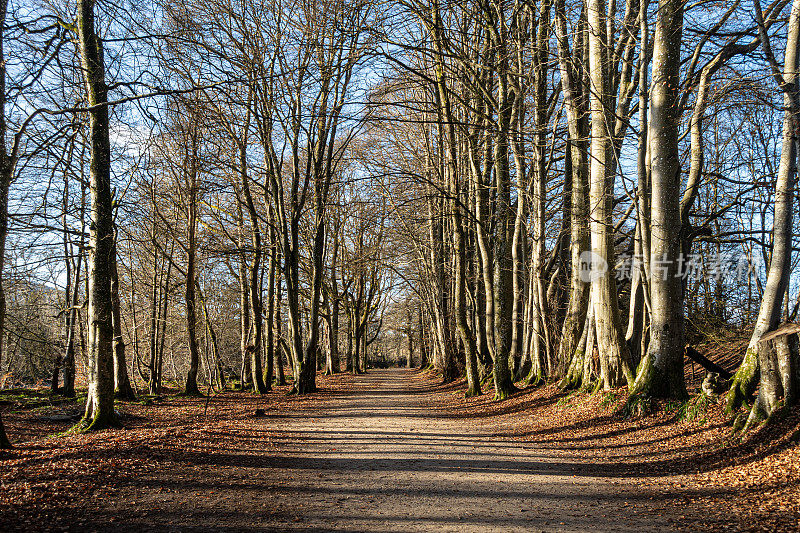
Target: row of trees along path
{"x":237,"y":186}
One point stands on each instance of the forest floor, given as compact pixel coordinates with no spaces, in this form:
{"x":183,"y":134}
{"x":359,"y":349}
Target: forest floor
{"x":394,"y":451}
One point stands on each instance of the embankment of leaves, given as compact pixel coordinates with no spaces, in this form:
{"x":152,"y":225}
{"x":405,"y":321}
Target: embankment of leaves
{"x":685,"y":453}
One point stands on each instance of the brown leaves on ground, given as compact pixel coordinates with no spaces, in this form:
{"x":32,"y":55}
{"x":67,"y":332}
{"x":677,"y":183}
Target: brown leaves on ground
{"x":720,"y":483}
{"x":692,"y":460}
{"x":53,"y":481}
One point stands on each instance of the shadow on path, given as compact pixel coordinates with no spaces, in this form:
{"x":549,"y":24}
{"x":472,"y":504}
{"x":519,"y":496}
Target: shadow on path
{"x":375,"y":458}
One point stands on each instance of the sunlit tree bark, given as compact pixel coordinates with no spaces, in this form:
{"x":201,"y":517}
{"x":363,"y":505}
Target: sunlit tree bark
{"x":99,"y":412}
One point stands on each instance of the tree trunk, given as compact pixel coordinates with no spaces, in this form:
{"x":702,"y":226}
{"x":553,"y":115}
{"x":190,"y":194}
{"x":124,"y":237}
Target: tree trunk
{"x":642,"y":264}
{"x":6,"y":177}
{"x":455,"y":203}
{"x":771,"y":384}
{"x":423,"y":344}
{"x":154,"y":325}
{"x":309,"y":368}
{"x":68,"y":390}
{"x":758,"y":352}
{"x":244,"y":303}
{"x":256,"y":305}
{"x":270,"y":314}
{"x":348,"y":364}
{"x":158,"y":337}
{"x":615,"y":370}
{"x":280,"y":351}
{"x":660,"y":373}
{"x":441,"y":317}
{"x":333,"y":365}
{"x":99,"y":412}
{"x":410,"y":337}
{"x":503,"y":295}
{"x":163,"y":325}
{"x":122,"y":383}
{"x":220,"y":374}
{"x":191,"y":388}
{"x":540,"y":353}
{"x":571,"y":331}
{"x":634,"y":331}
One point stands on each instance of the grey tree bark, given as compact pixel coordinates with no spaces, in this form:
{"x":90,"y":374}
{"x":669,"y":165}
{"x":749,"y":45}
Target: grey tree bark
{"x":272,"y":279}
{"x":190,"y":293}
{"x":6,"y":176}
{"x":660,"y":373}
{"x":769,"y":313}
{"x":122,"y":383}
{"x":569,"y":352}
{"x":332,"y":364}
{"x":254,"y":345}
{"x":99,"y":412}
{"x":455,"y":204}
{"x":244,"y":301}
{"x":614,"y":366}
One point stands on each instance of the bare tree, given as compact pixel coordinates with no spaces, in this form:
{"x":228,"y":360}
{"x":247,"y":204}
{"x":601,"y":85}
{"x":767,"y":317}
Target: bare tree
{"x":100,"y":400}
{"x":777,"y":376}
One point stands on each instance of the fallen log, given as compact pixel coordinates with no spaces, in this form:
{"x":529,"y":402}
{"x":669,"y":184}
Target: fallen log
{"x":787,"y":328}
{"x":707,"y":363}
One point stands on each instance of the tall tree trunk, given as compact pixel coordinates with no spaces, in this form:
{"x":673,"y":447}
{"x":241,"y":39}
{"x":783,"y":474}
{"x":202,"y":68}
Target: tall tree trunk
{"x":158,"y":336}
{"x":256,"y":304}
{"x":642,"y":259}
{"x":348,"y":357}
{"x":460,"y":305}
{"x":292,"y":301}
{"x":191,"y":389}
{"x":660,"y":373}
{"x":778,"y":275}
{"x":410,"y":337}
{"x":309,"y":369}
{"x":154,"y":324}
{"x":217,"y":365}
{"x":122,"y":383}
{"x":540,"y":352}
{"x":455,"y":203}
{"x":68,"y":390}
{"x":270,"y":314}
{"x":162,"y":336}
{"x":441,"y":324}
{"x":6,"y":177}
{"x":424,"y":361}
{"x":332,"y":365}
{"x":486,"y":316}
{"x":99,"y":412}
{"x":244,"y":302}
{"x":635,"y":329}
{"x":68,"y":262}
{"x":615,"y":370}
{"x":502,"y":274}
{"x":575,"y":318}
{"x":277,"y":324}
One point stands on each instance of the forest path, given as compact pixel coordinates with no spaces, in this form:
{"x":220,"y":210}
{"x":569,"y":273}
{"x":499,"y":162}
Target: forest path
{"x":377,"y":458}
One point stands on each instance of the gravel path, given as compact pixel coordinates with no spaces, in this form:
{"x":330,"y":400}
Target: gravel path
{"x":377,"y":459}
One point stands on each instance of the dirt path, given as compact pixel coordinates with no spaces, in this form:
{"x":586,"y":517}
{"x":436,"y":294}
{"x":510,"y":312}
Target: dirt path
{"x":378,"y":459}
